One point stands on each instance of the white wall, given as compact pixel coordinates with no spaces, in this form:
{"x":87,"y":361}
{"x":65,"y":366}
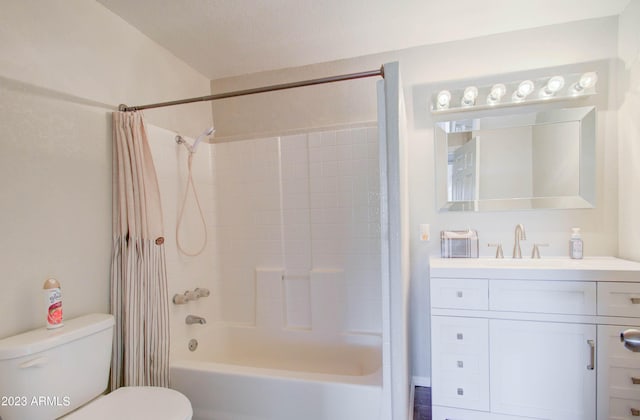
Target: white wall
{"x":629,"y":130}
{"x":64,"y":66}
{"x":578,"y":46}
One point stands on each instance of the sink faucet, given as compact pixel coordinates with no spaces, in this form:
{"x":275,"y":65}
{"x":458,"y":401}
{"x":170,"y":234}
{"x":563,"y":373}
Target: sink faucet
{"x":193,"y":319}
{"x":520,"y":236}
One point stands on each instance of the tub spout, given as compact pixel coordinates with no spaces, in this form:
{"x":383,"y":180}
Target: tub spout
{"x":193,"y":319}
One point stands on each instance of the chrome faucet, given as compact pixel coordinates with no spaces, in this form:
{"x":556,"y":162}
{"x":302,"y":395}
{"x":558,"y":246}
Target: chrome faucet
{"x":520,"y":236}
{"x":193,"y":319}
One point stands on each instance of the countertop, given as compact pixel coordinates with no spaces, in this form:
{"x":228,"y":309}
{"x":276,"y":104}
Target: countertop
{"x":550,"y":268}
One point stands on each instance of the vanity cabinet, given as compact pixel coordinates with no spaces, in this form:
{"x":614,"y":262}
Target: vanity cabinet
{"x":513,"y":344}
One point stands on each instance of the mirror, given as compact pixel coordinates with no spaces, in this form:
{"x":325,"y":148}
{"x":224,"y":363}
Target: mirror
{"x":535,"y":160}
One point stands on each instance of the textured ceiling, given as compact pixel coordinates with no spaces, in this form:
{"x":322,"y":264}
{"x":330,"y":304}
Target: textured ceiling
{"x":221,"y":38}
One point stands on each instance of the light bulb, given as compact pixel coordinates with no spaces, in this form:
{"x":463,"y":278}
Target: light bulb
{"x":443,"y":99}
{"x":587,"y":80}
{"x":524,"y":89}
{"x":469,"y":96}
{"x":553,"y":85}
{"x":497,"y":92}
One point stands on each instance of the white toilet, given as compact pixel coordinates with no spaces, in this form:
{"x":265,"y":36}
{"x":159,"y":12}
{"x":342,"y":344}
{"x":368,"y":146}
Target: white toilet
{"x":46,"y":374}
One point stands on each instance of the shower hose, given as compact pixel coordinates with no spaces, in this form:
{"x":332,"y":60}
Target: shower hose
{"x":192,"y":185}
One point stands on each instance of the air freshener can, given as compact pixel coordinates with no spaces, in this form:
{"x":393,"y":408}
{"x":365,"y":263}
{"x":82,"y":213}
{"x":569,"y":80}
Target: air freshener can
{"x":53,"y":298}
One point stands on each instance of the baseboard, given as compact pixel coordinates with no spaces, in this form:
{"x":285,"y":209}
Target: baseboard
{"x":420,"y":381}
{"x":412,"y":394}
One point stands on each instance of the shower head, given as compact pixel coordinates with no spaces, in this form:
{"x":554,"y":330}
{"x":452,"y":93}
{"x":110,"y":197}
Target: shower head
{"x":192,"y":148}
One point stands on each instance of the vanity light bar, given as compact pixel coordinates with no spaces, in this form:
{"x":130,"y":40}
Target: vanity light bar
{"x":550,"y":88}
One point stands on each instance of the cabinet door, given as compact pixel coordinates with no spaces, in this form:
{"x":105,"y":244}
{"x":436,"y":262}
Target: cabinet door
{"x":543,"y":369}
{"x":618,"y":376}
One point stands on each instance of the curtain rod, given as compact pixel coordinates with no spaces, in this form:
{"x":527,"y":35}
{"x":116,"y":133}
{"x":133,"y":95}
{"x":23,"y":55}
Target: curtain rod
{"x":331,"y":79}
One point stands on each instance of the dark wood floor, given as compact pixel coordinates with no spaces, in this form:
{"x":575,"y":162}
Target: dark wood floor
{"x":422,"y":403}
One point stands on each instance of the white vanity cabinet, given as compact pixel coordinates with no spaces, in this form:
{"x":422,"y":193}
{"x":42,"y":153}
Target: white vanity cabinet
{"x":534,"y":343}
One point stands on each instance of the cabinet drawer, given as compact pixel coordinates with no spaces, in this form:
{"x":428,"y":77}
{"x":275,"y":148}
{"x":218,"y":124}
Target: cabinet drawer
{"x":460,"y":293}
{"x":619,"y":299}
{"x":556,"y":297}
{"x":622,"y":408}
{"x":624,"y":382}
{"x":457,"y":335}
{"x":470,"y":393}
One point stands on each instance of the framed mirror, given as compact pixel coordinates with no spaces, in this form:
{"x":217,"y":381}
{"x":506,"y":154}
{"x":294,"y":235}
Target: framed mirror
{"x":536,"y":160}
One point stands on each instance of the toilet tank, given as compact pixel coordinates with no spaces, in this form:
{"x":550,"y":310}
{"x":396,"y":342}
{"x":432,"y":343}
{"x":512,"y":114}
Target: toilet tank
{"x":45,"y":374}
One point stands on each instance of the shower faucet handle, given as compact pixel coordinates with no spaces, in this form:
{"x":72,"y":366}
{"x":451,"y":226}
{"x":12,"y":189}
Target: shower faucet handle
{"x":179,"y":299}
{"x":197,"y":293}
{"x":191,"y":295}
{"x":201,"y":292}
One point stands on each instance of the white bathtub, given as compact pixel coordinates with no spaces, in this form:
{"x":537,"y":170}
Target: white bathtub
{"x":267,"y":380}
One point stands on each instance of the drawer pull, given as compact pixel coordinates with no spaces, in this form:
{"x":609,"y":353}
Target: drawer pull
{"x":631,"y":339}
{"x":459,"y":293}
{"x":461,"y":365}
{"x":635,"y":412}
{"x":461,"y":392}
{"x":635,"y":300}
{"x":459,"y":336}
{"x":592,"y":354}
{"x":635,"y":381}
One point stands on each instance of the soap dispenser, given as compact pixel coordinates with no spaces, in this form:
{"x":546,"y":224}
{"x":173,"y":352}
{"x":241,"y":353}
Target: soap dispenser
{"x":575,"y":244}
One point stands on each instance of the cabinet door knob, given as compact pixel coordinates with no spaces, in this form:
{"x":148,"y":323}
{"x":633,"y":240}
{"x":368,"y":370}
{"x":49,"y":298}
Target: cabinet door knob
{"x":459,"y":336}
{"x":635,"y":412}
{"x":461,"y":392}
{"x":461,"y":364}
{"x":635,"y":300}
{"x":459,"y":293}
{"x":635,"y":381}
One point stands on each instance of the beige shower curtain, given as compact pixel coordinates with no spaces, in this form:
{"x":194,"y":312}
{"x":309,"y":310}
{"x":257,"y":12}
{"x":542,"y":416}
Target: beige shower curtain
{"x":138,"y":271}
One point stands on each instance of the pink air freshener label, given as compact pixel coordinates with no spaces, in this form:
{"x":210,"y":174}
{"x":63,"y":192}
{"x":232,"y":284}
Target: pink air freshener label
{"x":54,"y":310}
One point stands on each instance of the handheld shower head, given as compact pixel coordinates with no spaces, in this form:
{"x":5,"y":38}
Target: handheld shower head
{"x":206,"y":133}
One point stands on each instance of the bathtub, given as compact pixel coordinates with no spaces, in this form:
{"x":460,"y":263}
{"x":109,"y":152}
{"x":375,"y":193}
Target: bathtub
{"x":266,"y":379}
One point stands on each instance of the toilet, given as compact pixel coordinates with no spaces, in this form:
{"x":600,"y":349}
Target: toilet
{"x":62,"y":373}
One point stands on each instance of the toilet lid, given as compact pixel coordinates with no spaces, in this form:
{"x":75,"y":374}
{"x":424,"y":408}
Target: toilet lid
{"x":135,"y":403}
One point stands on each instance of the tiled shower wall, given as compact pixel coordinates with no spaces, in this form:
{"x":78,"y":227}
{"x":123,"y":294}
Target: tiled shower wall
{"x":297,"y":232}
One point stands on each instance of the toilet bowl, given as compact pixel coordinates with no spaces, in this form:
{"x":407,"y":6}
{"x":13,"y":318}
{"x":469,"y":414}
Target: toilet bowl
{"x":62,"y":373}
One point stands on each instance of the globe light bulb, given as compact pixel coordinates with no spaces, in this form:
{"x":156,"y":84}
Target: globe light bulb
{"x":586,"y":81}
{"x":553,"y":85}
{"x":469,"y":96}
{"x":443,"y":99}
{"x":524,"y":89}
{"x":497,"y":92}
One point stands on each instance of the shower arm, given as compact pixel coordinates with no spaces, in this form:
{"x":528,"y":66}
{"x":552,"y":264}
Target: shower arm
{"x":283,"y":86}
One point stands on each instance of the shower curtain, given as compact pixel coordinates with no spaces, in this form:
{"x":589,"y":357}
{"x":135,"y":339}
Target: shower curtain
{"x":138,"y":271}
